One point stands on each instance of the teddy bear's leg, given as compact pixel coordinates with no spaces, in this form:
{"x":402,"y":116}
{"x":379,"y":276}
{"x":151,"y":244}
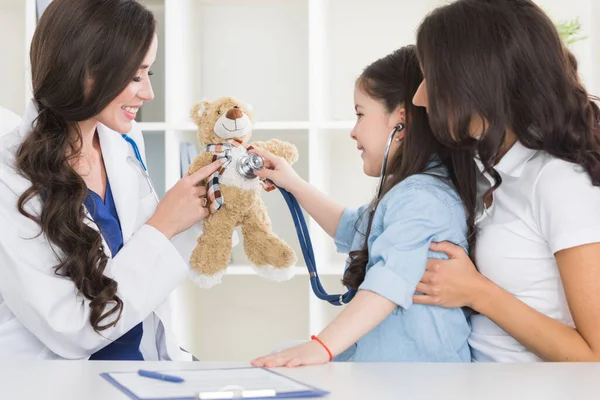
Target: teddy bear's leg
{"x":210,"y":258}
{"x":272,"y":257}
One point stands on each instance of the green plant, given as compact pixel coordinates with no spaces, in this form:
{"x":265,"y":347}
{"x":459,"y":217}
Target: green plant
{"x":570,"y":31}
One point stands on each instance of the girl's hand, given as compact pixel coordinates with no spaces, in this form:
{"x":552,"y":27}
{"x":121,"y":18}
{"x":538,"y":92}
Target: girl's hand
{"x":278,"y":170}
{"x":309,"y":353}
{"x":450,"y":283}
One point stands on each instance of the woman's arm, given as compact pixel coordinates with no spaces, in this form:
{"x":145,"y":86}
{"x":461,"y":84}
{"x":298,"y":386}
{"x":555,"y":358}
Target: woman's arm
{"x":564,"y":206}
{"x":456,"y":283}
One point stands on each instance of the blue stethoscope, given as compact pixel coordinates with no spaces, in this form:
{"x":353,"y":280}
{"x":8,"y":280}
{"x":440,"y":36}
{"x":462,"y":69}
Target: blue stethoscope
{"x":306,"y":244}
{"x":140,"y":163}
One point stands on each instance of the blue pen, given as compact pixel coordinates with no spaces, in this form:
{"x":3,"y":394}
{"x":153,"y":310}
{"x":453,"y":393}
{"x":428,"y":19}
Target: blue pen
{"x":158,"y":375}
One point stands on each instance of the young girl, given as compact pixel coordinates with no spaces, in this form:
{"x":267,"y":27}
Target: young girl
{"x":504,"y":76}
{"x":388,"y":240}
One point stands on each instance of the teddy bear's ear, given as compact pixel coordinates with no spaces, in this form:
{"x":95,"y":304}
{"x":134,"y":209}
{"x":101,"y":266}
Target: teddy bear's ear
{"x":198,"y":111}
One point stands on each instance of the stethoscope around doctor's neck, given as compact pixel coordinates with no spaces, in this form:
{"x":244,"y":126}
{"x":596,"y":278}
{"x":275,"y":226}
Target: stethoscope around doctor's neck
{"x":246,"y":166}
{"x":139,"y":162}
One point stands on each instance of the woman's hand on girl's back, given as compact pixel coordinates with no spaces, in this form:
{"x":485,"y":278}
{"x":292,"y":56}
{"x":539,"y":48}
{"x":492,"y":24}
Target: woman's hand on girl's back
{"x":451,"y":283}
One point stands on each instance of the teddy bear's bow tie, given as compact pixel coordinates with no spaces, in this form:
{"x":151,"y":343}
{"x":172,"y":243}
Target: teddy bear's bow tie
{"x":220,"y":151}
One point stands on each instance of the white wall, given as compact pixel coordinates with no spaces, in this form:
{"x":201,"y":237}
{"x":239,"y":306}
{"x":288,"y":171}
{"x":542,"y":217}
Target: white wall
{"x":12,"y":48}
{"x":358,"y":33}
{"x":252,"y":46}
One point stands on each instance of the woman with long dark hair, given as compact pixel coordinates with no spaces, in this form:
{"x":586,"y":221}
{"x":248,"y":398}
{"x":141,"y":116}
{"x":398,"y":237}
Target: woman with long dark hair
{"x":87,"y":256}
{"x":497,"y":78}
{"x":428,"y":193}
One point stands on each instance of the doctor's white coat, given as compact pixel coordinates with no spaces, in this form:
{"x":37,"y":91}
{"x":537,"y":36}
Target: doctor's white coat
{"x":41,"y":315}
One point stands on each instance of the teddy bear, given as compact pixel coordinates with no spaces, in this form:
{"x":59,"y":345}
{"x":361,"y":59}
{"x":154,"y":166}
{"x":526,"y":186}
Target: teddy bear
{"x":224,"y":129}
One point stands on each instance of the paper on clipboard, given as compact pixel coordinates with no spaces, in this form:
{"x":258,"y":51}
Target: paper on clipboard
{"x":212,"y":384}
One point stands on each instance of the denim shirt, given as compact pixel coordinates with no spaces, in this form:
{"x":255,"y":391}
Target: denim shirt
{"x":415,"y":212}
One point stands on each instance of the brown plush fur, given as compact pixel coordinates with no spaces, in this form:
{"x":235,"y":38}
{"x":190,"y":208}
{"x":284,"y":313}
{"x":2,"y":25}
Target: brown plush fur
{"x":206,"y":120}
{"x":282,"y":149}
{"x":242,"y":207}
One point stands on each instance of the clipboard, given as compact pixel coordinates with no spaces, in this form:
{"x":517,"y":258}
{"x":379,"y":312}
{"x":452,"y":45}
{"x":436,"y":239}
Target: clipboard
{"x":213,"y":384}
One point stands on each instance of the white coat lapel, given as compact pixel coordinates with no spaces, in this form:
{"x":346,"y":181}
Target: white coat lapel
{"x":122,"y":177}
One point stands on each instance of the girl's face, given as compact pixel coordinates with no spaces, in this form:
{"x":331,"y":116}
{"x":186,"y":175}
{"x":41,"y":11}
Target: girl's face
{"x":372,"y":129}
{"x":123,"y":109}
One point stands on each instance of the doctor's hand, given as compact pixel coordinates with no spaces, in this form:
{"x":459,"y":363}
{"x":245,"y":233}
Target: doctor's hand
{"x":309,"y":353}
{"x":278,"y":170}
{"x":184,"y":204}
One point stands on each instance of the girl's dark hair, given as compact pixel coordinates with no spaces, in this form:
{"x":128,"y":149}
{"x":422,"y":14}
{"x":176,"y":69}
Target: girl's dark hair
{"x":504,"y":62}
{"x":394,"y":80}
{"x":83,"y":55}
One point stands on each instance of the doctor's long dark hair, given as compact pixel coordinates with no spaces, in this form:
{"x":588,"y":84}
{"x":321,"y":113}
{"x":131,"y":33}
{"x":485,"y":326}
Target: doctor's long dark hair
{"x":393,"y":80}
{"x":504,"y":61}
{"x":83,"y":55}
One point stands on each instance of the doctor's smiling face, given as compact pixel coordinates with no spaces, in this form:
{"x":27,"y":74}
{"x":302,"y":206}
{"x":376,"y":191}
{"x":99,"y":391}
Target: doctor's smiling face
{"x":123,"y":109}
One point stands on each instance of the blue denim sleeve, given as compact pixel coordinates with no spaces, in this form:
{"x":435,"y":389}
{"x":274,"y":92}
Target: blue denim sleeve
{"x":346,"y":229}
{"x":412,"y":218}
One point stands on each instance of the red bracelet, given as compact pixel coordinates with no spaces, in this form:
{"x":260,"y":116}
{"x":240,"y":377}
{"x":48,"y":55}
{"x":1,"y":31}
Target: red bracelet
{"x":313,"y":337}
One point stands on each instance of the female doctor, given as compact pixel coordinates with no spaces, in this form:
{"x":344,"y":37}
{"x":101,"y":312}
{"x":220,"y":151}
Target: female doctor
{"x":87,"y":256}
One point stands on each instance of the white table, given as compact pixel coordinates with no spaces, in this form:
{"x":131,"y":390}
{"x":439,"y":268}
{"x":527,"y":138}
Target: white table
{"x":76,"y":380}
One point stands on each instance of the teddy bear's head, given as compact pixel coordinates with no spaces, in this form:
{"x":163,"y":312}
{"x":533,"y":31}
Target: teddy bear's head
{"x":223,"y":119}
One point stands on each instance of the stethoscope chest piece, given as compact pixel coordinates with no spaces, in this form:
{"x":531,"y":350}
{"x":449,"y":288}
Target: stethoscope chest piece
{"x":247,"y":164}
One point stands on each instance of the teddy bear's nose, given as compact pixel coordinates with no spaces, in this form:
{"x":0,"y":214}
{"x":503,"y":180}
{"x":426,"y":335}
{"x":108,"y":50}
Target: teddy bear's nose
{"x":234,"y":113}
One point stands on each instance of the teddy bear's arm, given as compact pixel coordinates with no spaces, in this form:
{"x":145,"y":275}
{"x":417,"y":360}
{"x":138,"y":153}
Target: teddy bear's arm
{"x":201,"y":160}
{"x":279,"y":148}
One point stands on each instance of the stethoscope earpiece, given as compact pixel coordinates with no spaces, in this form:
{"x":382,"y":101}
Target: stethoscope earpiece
{"x":397,"y":128}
